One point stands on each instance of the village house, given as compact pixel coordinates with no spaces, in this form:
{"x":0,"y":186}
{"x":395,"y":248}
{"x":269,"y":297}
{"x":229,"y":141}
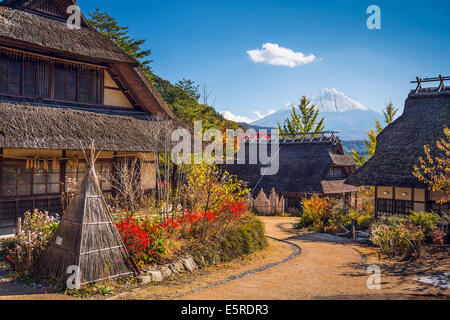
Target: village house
{"x":308,"y":165}
{"x":60,"y":89}
{"x":399,"y":147}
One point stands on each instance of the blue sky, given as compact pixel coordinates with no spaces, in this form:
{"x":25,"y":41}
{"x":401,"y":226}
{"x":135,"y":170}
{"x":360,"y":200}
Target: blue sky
{"x":208,"y":41}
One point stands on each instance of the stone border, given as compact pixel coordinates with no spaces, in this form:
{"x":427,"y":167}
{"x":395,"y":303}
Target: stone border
{"x":296,"y":251}
{"x":160,"y":273}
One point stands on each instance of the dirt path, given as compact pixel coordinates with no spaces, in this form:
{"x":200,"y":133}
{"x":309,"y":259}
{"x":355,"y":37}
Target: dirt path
{"x":328,"y":267}
{"x":321,"y":270}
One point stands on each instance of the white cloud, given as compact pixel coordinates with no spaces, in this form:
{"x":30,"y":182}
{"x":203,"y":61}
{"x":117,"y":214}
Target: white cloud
{"x":272,"y":53}
{"x":258,"y":115}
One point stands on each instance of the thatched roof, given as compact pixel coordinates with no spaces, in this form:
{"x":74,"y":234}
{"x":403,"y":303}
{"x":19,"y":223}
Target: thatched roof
{"x":303,"y":168}
{"x":53,"y":36}
{"x":26,"y":125}
{"x":88,"y":238}
{"x":337,"y":186}
{"x":400,"y":145}
{"x":33,"y":32}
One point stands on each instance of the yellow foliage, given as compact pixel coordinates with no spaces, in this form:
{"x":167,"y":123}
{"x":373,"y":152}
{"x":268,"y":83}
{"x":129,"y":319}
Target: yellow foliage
{"x":434,"y":171}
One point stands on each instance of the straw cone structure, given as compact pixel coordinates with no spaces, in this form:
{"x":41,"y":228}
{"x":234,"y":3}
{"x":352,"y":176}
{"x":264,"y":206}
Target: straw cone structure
{"x":88,"y":238}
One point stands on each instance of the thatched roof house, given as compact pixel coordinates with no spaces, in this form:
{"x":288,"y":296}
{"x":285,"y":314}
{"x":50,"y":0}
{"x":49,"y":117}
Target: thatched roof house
{"x":399,"y":147}
{"x":306,"y":167}
{"x":60,"y":87}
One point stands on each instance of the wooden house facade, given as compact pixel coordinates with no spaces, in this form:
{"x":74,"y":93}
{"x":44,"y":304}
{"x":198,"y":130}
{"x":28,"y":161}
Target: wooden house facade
{"x":60,"y":88}
{"x":308,"y":165}
{"x":399,"y":147}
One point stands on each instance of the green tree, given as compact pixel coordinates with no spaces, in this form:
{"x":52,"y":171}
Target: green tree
{"x":109,"y":27}
{"x":371,"y":143}
{"x":189,"y":87}
{"x":305,"y":121}
{"x":389,"y":113}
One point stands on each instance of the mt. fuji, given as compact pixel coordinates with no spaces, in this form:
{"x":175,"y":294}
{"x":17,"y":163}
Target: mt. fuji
{"x":343,"y":114}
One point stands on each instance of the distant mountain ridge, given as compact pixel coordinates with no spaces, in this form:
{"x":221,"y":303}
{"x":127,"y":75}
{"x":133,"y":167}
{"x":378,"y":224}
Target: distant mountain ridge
{"x":343,"y":114}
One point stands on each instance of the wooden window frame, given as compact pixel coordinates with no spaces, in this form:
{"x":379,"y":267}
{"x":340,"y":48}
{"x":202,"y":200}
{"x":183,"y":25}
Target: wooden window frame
{"x":101,"y":162}
{"x":111,"y":173}
{"x":50,"y":8}
{"x":37,"y":87}
{"x":333,"y":169}
{"x":393,"y":206}
{"x":8,"y":76}
{"x":32,"y":173}
{"x":95,"y":95}
{"x":97,"y":91}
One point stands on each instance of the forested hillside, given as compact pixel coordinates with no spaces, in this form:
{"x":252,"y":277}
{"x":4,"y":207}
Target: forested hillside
{"x":182,"y":97}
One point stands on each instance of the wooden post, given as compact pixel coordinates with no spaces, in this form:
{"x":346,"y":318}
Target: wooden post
{"x":62,"y":177}
{"x":376,"y":202}
{"x":19,"y":225}
{"x":354,"y":227}
{"x":1,"y":178}
{"x":115,"y":173}
{"x":394,"y":202}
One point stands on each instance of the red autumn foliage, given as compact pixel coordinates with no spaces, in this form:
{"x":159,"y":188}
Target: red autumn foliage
{"x":145,"y":238}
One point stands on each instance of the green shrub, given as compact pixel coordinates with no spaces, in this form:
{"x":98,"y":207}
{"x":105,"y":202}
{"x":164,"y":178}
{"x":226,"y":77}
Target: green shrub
{"x":234,"y":242}
{"x":398,"y":239}
{"x":426,"y":220}
{"x":305,"y":222}
{"x":364,"y":221}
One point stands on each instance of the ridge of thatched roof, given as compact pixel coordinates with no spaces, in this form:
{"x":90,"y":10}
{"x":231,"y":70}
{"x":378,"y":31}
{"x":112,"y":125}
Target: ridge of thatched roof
{"x":302,"y":169}
{"x":52,"y":36}
{"x":401,"y":144}
{"x":56,"y":127}
{"x":88,"y":238}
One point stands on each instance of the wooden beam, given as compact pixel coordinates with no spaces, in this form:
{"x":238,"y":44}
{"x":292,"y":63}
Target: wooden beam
{"x":394,"y":203}
{"x":376,"y":201}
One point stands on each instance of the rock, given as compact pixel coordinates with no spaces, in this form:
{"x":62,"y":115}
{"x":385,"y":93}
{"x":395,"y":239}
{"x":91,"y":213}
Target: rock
{"x":156,"y":276}
{"x":177,"y":267}
{"x":189,"y":264}
{"x":146,"y":279}
{"x":165,"y":271}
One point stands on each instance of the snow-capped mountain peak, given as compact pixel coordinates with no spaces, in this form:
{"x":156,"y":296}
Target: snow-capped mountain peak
{"x":342,"y":113}
{"x":332,"y":100}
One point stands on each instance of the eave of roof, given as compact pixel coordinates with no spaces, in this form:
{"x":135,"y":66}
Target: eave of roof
{"x":29,"y":126}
